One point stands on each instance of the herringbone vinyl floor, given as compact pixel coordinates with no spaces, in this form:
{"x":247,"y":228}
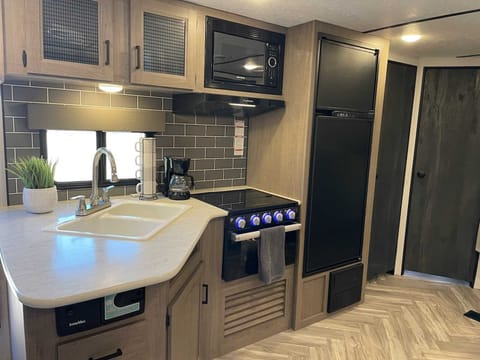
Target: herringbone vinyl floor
{"x":401,"y":319}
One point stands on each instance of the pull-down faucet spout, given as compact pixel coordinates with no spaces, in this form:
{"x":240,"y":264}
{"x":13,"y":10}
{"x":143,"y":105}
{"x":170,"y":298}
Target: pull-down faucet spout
{"x":101,"y":151}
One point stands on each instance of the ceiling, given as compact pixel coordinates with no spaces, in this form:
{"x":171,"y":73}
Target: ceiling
{"x":446,"y":37}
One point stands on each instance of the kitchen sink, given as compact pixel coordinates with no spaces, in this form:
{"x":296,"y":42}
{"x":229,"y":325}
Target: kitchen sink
{"x":129,"y":220}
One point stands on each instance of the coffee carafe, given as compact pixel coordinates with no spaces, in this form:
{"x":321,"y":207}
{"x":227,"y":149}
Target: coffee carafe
{"x":177,"y":182}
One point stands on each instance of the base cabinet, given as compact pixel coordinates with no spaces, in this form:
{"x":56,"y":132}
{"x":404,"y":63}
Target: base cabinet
{"x":183,"y":319}
{"x":34,"y":335}
{"x":127,"y":343}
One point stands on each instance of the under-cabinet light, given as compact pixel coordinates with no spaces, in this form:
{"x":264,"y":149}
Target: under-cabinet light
{"x":242,"y":105}
{"x":110,"y":88}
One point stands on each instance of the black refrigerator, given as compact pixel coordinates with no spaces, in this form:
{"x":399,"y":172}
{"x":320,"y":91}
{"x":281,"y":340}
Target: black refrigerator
{"x":340,"y":155}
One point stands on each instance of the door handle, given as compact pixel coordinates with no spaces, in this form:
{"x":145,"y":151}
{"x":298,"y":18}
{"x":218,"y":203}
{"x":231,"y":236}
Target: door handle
{"x":421,"y":174}
{"x":137,"y":53}
{"x":117,"y":353}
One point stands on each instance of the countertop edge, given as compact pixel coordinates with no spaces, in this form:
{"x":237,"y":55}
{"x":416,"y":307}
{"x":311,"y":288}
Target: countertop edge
{"x":49,"y":303}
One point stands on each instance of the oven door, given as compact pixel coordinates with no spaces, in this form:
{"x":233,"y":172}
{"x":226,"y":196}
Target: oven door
{"x":240,"y":257}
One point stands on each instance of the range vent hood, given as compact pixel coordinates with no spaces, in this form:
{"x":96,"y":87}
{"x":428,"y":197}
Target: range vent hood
{"x":223,"y":105}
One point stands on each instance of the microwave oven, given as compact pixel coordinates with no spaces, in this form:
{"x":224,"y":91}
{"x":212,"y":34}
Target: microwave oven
{"x":243,"y":58}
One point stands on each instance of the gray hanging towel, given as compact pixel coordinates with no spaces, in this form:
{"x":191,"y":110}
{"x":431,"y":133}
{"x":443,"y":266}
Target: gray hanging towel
{"x":271,"y":254}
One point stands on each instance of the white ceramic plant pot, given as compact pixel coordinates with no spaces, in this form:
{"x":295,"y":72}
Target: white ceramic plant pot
{"x":39,"y":201}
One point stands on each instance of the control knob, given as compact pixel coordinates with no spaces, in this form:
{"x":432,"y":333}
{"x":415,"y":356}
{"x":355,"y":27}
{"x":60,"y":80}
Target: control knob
{"x":267,"y":218}
{"x":240,"y":223}
{"x":254,"y":220}
{"x":290,"y":214}
{"x":277,"y":217}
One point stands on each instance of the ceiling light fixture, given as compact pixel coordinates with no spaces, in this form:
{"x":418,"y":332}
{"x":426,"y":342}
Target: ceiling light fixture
{"x":110,"y":88}
{"x":411,"y":37}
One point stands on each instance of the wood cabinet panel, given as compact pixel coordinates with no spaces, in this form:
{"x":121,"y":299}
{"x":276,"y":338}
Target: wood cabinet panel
{"x":156,"y":33}
{"x":184,"y":319}
{"x":55,"y":47}
{"x":128,"y":342}
{"x":314,"y":294}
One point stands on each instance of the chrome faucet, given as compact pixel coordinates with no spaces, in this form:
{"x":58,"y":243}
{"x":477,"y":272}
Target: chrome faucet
{"x":97,"y":202}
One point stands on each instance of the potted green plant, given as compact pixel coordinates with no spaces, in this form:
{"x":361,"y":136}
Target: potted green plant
{"x":37,"y":176}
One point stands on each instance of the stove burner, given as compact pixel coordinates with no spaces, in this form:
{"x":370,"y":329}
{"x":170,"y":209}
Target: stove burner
{"x":237,"y":201}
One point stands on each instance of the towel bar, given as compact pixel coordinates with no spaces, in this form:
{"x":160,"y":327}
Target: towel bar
{"x":256,"y":234}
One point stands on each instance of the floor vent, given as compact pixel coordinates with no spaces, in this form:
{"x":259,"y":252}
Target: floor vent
{"x":255,"y":306}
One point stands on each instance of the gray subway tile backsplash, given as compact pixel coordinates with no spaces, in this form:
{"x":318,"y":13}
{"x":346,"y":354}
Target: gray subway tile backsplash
{"x":7,"y":92}
{"x":197,"y":130}
{"x":203,"y":164}
{"x":225,"y":121}
{"x":152,"y":103}
{"x":195,"y":153}
{"x":95,"y":99}
{"x":215,"y":153}
{"x":125,"y":101}
{"x":164,"y":141}
{"x":57,"y":96}
{"x":206,"y":140}
{"x":20,"y":124}
{"x":215,"y":130}
{"x":30,"y":94}
{"x":184,"y":119}
{"x":174,"y":129}
{"x":184,"y":141}
{"x":213,"y":174}
{"x":223,"y":163}
{"x":224,"y":141}
{"x":19,"y":140}
{"x":14,"y":109}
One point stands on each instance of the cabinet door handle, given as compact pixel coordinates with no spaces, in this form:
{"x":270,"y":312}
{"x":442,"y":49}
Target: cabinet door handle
{"x":205,"y":294}
{"x":107,"y":52}
{"x":110,"y":356}
{"x":137,"y":51}
{"x":24,"y":58}
{"x":421,"y":174}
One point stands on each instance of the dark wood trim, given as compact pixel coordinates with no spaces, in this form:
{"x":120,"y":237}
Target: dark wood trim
{"x":466,"y":12}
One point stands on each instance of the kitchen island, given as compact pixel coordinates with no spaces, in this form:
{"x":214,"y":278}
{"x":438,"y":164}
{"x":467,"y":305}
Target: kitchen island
{"x":47,"y":269}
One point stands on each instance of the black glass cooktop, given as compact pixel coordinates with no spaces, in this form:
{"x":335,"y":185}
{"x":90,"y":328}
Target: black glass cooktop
{"x":244,"y":200}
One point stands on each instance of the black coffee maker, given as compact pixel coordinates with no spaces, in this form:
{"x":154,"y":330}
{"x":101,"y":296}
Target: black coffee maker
{"x":177,"y":182}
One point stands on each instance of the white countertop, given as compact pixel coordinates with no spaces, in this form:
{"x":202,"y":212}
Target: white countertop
{"x":48,"y":269}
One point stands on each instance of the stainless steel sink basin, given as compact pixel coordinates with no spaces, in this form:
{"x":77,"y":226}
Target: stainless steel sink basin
{"x":128,"y":220}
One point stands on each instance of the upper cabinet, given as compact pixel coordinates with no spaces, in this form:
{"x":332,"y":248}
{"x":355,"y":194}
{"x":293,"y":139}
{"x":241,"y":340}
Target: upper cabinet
{"x":71,"y":38}
{"x":162,"y":44}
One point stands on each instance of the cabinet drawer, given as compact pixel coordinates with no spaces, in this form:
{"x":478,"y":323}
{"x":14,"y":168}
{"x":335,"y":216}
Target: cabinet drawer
{"x":126,"y":342}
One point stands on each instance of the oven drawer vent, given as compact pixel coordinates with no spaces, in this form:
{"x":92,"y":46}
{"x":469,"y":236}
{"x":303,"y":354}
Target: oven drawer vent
{"x":252,"y":307}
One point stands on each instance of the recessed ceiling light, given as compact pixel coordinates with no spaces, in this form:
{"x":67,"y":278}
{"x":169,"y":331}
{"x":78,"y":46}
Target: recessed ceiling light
{"x":110,"y":88}
{"x":411,"y":37}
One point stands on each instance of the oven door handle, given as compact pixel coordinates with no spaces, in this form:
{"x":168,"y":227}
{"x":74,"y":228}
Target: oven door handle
{"x":256,"y":234}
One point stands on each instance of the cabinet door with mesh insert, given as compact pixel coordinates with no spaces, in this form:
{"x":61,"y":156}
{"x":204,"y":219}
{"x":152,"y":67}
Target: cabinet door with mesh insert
{"x":70,"y":38}
{"x":162,"y":44}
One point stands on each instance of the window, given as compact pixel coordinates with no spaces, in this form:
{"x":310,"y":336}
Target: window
{"x":74,"y":151}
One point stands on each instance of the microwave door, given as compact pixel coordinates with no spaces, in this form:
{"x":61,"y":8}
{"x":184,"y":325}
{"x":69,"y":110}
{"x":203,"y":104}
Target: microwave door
{"x":238,"y":59}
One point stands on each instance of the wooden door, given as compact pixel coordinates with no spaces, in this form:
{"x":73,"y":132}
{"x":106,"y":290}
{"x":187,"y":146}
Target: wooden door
{"x":445,"y":196}
{"x":397,"y":113}
{"x":162,"y":44}
{"x":184,"y":320}
{"x":71,"y":39}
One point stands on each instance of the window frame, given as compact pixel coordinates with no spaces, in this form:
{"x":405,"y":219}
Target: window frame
{"x":102,"y":166}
